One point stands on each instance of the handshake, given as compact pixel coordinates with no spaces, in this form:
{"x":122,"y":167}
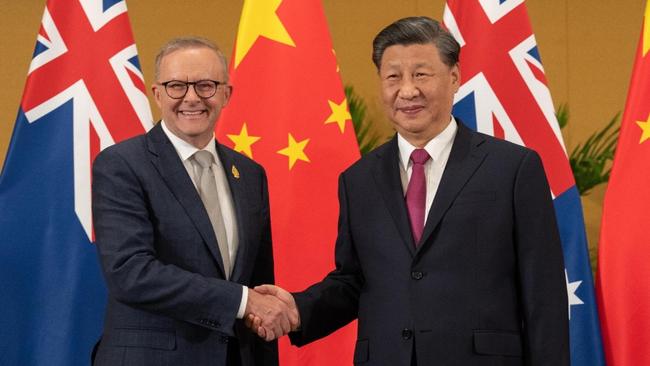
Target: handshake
{"x":271,"y":312}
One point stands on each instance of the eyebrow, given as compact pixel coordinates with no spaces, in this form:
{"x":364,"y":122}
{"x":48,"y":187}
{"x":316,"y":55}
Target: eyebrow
{"x":397,"y":64}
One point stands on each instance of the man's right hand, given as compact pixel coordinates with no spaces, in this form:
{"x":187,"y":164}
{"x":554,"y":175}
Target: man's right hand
{"x":267,"y":326}
{"x":269,"y":316}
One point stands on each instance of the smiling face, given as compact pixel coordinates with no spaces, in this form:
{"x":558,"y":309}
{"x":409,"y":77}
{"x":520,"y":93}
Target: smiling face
{"x":417,"y":90}
{"x":191,"y":118}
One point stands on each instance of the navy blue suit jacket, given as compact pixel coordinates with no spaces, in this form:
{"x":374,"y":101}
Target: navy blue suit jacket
{"x":168,"y":301}
{"x":485,"y":285}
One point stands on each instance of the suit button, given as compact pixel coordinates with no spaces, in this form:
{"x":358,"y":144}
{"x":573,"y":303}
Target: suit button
{"x":417,"y":275}
{"x":407,"y":334}
{"x":223,"y":339}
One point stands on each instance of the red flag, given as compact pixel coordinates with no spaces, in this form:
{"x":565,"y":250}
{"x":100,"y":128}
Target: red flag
{"x":289,"y":113}
{"x":623,"y":282}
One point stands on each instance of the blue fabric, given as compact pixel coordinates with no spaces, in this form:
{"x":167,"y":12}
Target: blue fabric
{"x":586,"y":346}
{"x":52,"y":295}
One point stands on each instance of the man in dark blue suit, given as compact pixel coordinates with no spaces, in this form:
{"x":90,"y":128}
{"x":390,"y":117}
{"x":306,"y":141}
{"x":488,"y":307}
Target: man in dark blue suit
{"x":448,"y":251}
{"x":182,"y":229}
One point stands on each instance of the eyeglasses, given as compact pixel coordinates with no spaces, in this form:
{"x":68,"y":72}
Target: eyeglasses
{"x":205,"y":89}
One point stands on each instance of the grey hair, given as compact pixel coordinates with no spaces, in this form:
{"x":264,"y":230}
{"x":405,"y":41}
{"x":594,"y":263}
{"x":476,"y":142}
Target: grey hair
{"x":182,"y":43}
{"x":416,"y":30}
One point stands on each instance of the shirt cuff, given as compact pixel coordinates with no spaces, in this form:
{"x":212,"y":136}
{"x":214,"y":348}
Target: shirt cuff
{"x":242,"y":304}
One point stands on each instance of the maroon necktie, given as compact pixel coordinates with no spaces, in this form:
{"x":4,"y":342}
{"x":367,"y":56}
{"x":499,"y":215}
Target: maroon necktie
{"x":416,"y":193}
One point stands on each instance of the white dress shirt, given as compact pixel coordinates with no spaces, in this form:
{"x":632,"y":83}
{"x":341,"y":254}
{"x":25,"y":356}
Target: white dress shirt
{"x":438,"y":148}
{"x":185,"y":151}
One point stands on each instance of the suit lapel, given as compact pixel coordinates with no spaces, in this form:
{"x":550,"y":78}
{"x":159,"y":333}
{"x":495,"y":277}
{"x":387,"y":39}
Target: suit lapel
{"x":240,"y":203}
{"x":464,"y":159}
{"x":171,"y":169}
{"x":387,"y":177}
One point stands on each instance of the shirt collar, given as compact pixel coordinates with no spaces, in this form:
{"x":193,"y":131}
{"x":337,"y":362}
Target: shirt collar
{"x":434,"y":147}
{"x":184,"y":149}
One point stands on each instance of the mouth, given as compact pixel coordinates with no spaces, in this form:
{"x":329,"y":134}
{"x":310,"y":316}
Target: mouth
{"x":410,"y":110}
{"x":192,"y":114}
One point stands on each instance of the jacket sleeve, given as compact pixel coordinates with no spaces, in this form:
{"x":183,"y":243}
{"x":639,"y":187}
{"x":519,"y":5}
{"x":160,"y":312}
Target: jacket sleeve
{"x":541,"y":267}
{"x":126,"y":243}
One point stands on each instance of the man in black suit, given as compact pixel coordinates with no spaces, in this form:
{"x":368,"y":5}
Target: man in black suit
{"x":448,"y":251}
{"x":182,"y":228}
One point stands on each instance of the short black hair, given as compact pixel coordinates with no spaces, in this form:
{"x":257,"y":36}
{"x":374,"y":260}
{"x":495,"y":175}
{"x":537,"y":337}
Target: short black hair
{"x":416,"y":30}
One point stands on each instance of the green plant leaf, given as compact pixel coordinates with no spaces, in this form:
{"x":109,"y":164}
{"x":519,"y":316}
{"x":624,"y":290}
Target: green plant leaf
{"x":366,"y":138}
{"x":591,"y":161}
{"x":562,"y":115}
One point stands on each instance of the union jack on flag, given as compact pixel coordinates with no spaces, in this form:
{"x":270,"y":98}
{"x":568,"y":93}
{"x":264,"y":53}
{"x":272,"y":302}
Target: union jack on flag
{"x":84,"y":92}
{"x":504,"y":93}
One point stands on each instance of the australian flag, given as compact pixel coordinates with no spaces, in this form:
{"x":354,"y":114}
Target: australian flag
{"x":504,"y":93}
{"x":84,"y":92}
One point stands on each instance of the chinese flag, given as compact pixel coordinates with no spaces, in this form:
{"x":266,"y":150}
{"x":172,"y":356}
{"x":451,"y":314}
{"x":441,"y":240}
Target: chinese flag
{"x":623,"y":282}
{"x":289,"y":113}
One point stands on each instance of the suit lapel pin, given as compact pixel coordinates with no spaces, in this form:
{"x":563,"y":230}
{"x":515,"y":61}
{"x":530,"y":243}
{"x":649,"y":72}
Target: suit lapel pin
{"x":235,"y":172}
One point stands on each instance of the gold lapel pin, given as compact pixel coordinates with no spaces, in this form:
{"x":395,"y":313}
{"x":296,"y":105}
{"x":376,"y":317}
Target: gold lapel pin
{"x":235,"y":172}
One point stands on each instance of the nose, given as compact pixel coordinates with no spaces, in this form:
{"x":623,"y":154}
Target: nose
{"x":191,"y":95}
{"x":408,"y":89}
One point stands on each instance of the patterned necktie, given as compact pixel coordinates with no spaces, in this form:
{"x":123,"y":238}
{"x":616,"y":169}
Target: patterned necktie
{"x":416,"y":193}
{"x":207,"y":186}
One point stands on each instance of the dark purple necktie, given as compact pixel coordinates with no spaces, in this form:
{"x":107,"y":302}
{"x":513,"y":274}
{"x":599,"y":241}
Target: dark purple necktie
{"x":416,"y":193}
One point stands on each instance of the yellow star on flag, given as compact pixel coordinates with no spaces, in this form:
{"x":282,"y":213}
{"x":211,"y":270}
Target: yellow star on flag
{"x":295,"y":151}
{"x":339,"y":114}
{"x":646,"y":30}
{"x":259,"y":19}
{"x":243,"y":141}
{"x":645,"y":126}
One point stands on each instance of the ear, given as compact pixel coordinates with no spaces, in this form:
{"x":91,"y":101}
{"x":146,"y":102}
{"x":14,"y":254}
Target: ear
{"x":226,"y":94}
{"x":455,"y":77}
{"x":157,"y":90}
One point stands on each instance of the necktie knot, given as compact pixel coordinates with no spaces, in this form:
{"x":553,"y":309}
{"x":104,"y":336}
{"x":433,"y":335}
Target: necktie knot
{"x":204,"y":158}
{"x":419,"y":156}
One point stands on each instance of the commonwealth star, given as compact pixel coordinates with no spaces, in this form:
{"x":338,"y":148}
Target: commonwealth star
{"x":571,"y":288}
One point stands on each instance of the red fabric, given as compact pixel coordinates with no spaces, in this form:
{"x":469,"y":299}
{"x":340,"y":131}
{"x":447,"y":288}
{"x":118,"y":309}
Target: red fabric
{"x":518,"y":84}
{"x":416,"y":193}
{"x":279,"y":89}
{"x":623,"y":281}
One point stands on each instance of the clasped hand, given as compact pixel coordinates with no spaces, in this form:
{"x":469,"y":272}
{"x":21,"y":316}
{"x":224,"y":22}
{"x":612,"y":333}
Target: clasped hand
{"x":271,"y":312}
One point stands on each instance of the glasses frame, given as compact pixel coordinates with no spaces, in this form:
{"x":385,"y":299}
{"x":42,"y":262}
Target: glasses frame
{"x":193,"y":84}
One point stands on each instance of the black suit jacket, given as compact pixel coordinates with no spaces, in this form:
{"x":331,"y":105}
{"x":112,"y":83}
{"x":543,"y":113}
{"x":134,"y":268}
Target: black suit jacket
{"x":168,"y":301}
{"x":485,"y":285}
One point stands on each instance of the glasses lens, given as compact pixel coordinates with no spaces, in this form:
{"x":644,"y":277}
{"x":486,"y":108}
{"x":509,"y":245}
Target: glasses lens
{"x":176,"y":89}
{"x":205,"y":88}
